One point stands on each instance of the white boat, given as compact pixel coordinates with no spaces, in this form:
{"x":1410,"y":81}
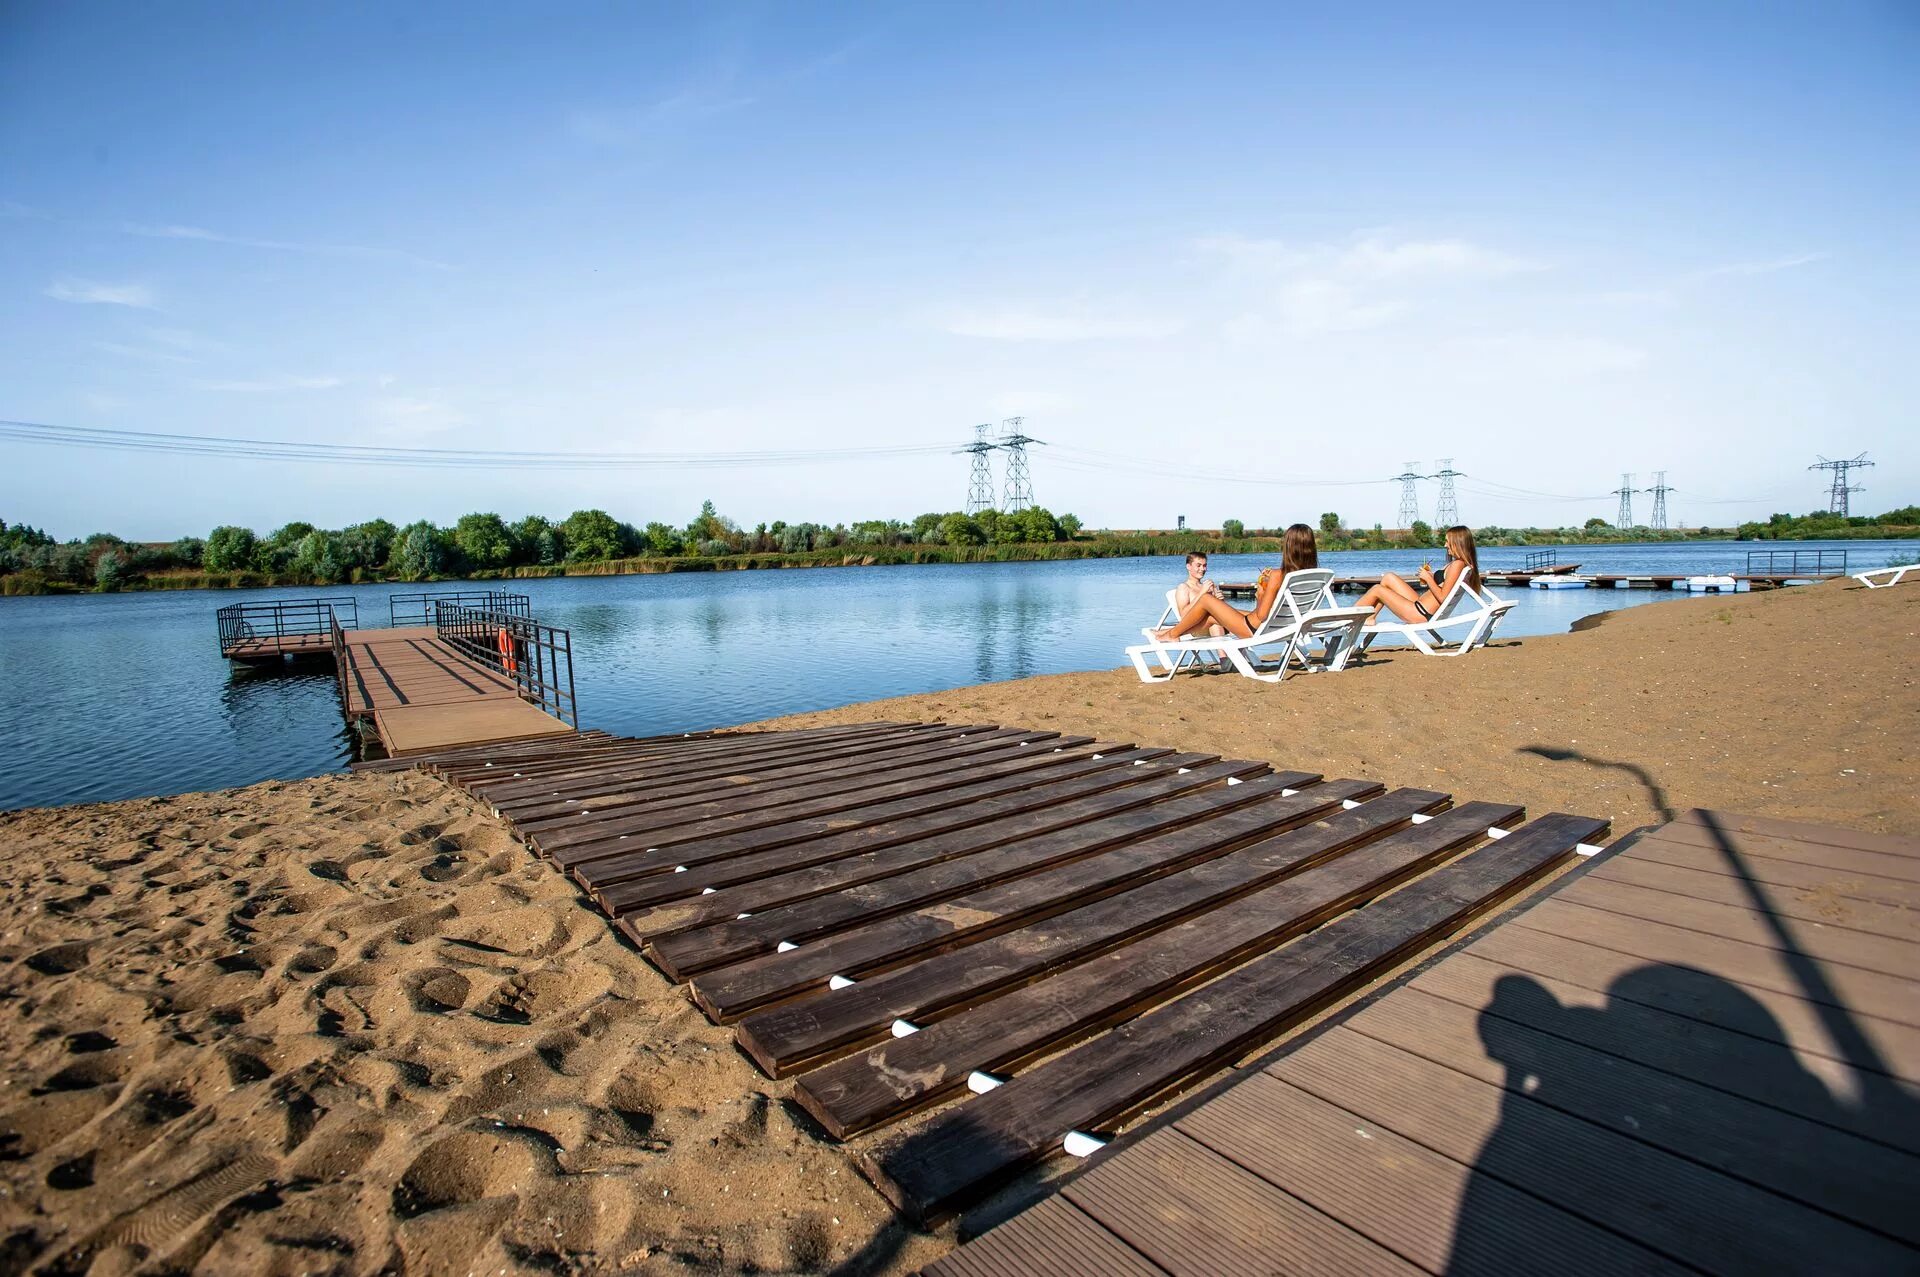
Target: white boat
{"x":1709,"y":584}
{"x":1560,"y":582}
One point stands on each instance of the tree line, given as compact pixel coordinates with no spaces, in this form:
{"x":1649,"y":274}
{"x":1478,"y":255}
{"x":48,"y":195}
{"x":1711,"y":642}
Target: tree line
{"x":483,"y":543}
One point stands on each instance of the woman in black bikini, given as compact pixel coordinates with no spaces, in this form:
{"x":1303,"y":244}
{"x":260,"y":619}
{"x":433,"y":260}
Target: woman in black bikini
{"x":1399,"y":597}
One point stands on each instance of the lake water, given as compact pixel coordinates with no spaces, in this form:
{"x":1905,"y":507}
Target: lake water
{"x":118,"y":696}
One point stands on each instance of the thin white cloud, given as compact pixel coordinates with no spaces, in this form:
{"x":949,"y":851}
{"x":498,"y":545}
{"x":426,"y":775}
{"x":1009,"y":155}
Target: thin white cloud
{"x":414,"y":413}
{"x":1766,"y":267}
{"x":1070,"y":324}
{"x":90,"y":292}
{"x":1367,"y":255}
{"x":1326,"y":306}
{"x":147,"y":353}
{"x":1544,"y":356}
{"x":201,"y":234}
{"x":270,"y":385}
{"x":656,"y":121}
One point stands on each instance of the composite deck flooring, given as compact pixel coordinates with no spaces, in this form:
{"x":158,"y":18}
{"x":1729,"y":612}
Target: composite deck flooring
{"x":424,"y":697}
{"x":966,"y":942}
{"x":1702,"y":1054}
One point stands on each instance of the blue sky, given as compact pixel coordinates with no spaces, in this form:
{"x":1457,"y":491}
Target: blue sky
{"x":1228,"y":261}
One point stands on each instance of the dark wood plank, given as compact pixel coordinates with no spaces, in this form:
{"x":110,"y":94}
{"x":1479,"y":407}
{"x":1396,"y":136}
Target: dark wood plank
{"x":754,"y":881}
{"x":785,"y":1038}
{"x":1772,"y":872}
{"x":1888,"y":954}
{"x":1801,"y":831}
{"x":1054,"y":1238}
{"x":611,"y":772}
{"x":1443,"y":1215}
{"x":860,"y":1091}
{"x":1894,"y":1048}
{"x":1826,"y":908}
{"x":965,"y":1147}
{"x":708,"y":745}
{"x":1760,"y":966}
{"x":1785,"y":1152}
{"x":599,"y":872}
{"x":1168,"y":834}
{"x":1728,"y":1225}
{"x":1197,"y":1214}
{"x":739,"y":789}
{"x":729,"y":813}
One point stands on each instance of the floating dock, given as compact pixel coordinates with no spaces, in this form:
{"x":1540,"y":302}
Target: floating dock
{"x":483,"y":672}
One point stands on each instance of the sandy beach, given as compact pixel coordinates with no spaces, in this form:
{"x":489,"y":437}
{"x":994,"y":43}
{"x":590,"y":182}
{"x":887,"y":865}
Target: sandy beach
{"x":348,"y":1025}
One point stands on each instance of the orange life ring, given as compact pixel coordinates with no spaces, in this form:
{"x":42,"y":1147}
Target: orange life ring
{"x":506,"y":652}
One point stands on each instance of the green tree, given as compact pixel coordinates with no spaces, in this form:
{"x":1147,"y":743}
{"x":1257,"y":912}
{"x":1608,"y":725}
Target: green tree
{"x":988,"y":521}
{"x":107,"y":571}
{"x":1597,"y":524}
{"x":925,"y":527}
{"x":367,"y":545}
{"x":1330,"y":523}
{"x":664,"y":539}
{"x":526,"y":534}
{"x":591,"y":535}
{"x":1420,"y":533}
{"x":317,"y":557}
{"x":188,"y":552}
{"x":417,"y":552}
{"x":1069,"y":526}
{"x":1232,"y":528}
{"x":961,"y":529}
{"x":484,"y":540}
{"x":1036,"y":525}
{"x":708,"y":525}
{"x":229,"y":549}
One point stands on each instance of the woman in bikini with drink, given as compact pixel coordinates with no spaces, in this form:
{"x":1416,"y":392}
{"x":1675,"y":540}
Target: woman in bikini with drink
{"x":1398,"y":596}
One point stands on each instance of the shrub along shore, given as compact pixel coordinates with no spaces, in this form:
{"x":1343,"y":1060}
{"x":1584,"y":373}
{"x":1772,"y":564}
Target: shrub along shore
{"x":594,"y":543}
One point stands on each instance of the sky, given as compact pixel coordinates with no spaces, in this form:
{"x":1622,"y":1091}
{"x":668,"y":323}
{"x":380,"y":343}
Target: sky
{"x":1225,"y":261}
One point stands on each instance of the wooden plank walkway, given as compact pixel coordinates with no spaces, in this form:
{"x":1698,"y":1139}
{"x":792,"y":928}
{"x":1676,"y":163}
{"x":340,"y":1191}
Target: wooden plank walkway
{"x":424,"y":697}
{"x":903,"y":914}
{"x":1702,"y":1055}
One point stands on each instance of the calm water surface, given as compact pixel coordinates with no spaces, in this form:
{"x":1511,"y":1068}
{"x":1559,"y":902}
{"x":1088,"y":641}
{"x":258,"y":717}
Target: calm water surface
{"x":118,"y":696}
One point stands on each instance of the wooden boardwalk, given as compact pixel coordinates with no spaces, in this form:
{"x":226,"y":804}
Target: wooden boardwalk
{"x":1703,"y":1055}
{"x":423,"y":696}
{"x":1028,"y":934}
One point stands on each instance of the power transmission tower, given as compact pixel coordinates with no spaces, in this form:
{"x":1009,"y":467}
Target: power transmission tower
{"x":1448,"y":512}
{"x":1660,"y":491}
{"x":1625,"y":493}
{"x":980,"y":481}
{"x":1014,"y":441}
{"x":1409,"y":495}
{"x":1837,"y":494}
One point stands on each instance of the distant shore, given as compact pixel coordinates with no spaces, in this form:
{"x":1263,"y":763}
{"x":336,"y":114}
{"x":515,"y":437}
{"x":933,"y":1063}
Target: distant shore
{"x":1128,"y":545}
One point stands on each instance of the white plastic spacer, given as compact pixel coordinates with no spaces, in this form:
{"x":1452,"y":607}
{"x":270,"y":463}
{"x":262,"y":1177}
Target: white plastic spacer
{"x":1081,"y":1144}
{"x":707,"y":891}
{"x":738,"y":916}
{"x":1141,"y":762}
{"x":905,"y":1028}
{"x":1420,"y":818}
{"x":586,"y":811}
{"x":1099,"y":755}
{"x":1235,"y":780}
{"x":839,"y":982}
{"x":980,"y":1083}
{"x":1181,"y":771}
{"x":1587,"y":849}
{"x":785,"y":946}
{"x":1348,"y":804}
{"x":1288,"y":793}
{"x":679,"y":869}
{"x":1496,"y":833}
{"x":488,"y":764}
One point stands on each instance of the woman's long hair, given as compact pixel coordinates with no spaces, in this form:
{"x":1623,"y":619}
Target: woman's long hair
{"x":1299,"y":550}
{"x":1460,"y":546}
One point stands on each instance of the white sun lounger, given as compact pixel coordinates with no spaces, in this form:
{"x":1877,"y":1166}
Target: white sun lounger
{"x":1893,"y":576}
{"x":1301,"y":615}
{"x":1464,"y":609}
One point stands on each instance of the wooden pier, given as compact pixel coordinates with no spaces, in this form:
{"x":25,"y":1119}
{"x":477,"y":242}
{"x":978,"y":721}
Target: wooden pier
{"x":478,"y":675}
{"x":1592,"y":580}
{"x":1054,"y":931}
{"x":1700,"y":1056}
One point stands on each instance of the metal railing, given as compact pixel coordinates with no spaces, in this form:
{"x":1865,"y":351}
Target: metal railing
{"x":417,"y":609}
{"x":257,"y":630}
{"x":538,"y":658}
{"x":1537,"y":559}
{"x":1796,"y":562}
{"x":337,"y":637}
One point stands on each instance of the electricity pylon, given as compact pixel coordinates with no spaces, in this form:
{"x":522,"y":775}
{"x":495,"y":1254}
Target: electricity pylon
{"x":1409,"y":495}
{"x":980,"y":481}
{"x":1448,"y":512}
{"x":1838,"y":493}
{"x":1625,"y":493}
{"x":1014,"y":441}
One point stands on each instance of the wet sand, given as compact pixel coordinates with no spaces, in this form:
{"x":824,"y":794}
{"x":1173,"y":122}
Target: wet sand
{"x":349,"y":1025}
